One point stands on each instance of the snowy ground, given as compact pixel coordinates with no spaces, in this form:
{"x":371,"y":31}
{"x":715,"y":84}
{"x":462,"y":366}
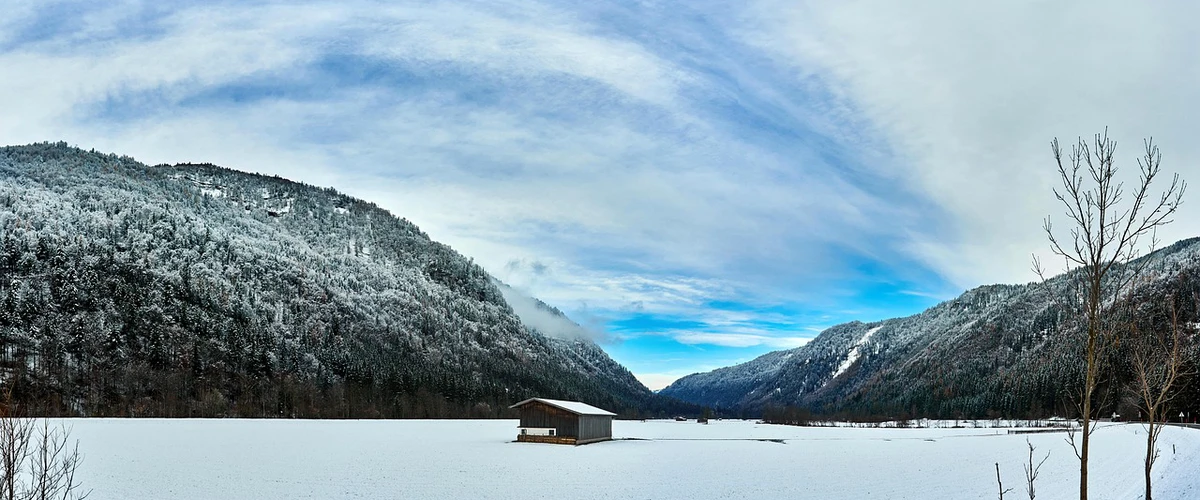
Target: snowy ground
{"x":294,"y":459}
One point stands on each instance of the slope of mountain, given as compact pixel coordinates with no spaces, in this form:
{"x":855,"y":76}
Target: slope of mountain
{"x":128,"y":289}
{"x":996,"y":350}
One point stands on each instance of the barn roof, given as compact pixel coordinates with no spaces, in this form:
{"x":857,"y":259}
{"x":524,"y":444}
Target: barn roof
{"x":571,"y":406}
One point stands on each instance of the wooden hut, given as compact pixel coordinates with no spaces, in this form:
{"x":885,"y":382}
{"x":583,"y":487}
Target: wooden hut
{"x":562,"y":422}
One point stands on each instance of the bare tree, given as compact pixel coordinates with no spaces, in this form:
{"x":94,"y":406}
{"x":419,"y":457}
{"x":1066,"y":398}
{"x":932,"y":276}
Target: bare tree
{"x":1158,"y":362}
{"x":37,"y":461}
{"x":15,"y":435}
{"x":1105,"y":230}
{"x":1000,"y":485}
{"x":1031,"y":470}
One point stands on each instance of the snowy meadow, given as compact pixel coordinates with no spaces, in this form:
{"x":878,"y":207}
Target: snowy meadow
{"x":324,"y":459}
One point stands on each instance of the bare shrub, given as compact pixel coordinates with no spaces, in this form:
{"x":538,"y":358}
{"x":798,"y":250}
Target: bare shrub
{"x":1031,"y":471}
{"x":38,"y":460}
{"x":1000,"y":485}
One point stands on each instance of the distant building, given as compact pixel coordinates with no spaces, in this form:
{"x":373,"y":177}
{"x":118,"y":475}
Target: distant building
{"x":563,"y":422}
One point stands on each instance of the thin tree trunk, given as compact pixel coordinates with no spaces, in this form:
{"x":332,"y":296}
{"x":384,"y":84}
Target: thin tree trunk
{"x":1083,"y":461}
{"x":1089,"y":385}
{"x":1149,"y":456}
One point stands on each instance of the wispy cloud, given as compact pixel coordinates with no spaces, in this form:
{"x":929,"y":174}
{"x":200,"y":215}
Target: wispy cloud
{"x":650,"y":160}
{"x":705,"y":180}
{"x":968,"y":96}
{"x":741,"y":340}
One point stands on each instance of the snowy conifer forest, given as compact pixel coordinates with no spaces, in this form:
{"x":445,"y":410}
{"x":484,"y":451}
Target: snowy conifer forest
{"x":995,"y":351}
{"x":194,"y":290}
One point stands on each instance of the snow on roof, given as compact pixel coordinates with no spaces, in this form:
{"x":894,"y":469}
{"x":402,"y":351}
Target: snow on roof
{"x":571,"y":406}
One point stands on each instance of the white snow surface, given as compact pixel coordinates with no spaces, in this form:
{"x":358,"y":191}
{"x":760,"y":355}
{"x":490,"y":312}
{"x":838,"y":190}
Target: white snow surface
{"x":423,"y":459}
{"x":854,"y":353}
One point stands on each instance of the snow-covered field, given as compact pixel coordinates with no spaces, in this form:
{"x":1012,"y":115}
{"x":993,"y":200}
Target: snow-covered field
{"x":294,"y":459}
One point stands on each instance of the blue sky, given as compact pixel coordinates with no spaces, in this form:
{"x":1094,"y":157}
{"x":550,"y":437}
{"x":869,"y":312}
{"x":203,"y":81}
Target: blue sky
{"x":696,"y":182}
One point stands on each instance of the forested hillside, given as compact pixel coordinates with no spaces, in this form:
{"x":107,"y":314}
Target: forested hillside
{"x":997,"y":350}
{"x":194,"y":290}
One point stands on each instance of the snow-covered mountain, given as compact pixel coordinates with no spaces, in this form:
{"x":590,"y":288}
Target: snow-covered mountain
{"x":128,"y":289}
{"x":995,"y":350}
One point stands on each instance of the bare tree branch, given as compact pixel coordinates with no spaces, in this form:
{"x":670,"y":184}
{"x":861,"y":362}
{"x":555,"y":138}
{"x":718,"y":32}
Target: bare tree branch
{"x":1158,"y":363}
{"x":1031,"y":471}
{"x":1000,"y":485}
{"x":37,"y":461}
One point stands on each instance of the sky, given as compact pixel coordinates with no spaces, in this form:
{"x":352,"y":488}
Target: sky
{"x":695,"y":182}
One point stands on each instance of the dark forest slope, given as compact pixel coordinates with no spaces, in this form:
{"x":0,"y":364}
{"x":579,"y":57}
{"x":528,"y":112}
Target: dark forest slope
{"x":128,"y":289}
{"x":997,"y":350}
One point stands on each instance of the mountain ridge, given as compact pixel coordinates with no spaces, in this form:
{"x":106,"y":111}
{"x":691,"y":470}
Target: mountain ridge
{"x":995,"y":350}
{"x":195,"y":290}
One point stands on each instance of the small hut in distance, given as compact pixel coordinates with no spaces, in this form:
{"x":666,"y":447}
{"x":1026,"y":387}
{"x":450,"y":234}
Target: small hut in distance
{"x":563,"y":422}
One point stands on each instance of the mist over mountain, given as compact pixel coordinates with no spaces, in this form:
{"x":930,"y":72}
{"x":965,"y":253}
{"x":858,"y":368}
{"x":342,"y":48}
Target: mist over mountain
{"x":996,"y":350}
{"x":195,"y":290}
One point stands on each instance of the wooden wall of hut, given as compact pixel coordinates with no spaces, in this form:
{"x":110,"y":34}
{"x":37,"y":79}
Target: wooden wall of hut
{"x":594,"y":428}
{"x":537,"y":414}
